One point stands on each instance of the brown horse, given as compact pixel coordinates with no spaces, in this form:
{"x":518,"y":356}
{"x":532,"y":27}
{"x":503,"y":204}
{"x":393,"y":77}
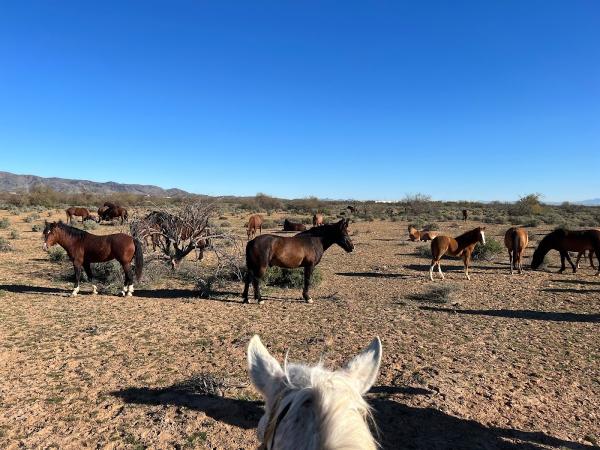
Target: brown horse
{"x":292,"y":226}
{"x":516,"y":240}
{"x":114,"y":213}
{"x":84,"y":248}
{"x":302,"y":250}
{"x":465,"y":214}
{"x":423,"y":235}
{"x":463,"y":246}
{"x":590,"y":256}
{"x":254,"y":223}
{"x":79,"y":212}
{"x":565,"y":241}
{"x":317,"y":219}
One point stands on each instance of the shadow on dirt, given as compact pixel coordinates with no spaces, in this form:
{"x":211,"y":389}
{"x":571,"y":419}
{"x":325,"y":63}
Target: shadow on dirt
{"x":187,"y":293}
{"x":372,"y":275}
{"x":28,"y":289}
{"x":520,"y":314}
{"x":594,"y":283}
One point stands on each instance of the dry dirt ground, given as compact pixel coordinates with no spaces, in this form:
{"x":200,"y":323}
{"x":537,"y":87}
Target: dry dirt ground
{"x":509,"y":362}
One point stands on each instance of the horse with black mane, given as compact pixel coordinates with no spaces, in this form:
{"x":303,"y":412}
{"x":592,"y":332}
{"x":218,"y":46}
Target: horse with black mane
{"x":84,"y":248}
{"x":113,"y":213}
{"x":462,"y":245}
{"x":302,"y":250}
{"x":293,"y":226}
{"x":565,"y":241}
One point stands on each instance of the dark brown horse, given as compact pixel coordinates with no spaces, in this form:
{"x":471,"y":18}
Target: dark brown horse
{"x":465,"y":214}
{"x":565,"y":241}
{"x":317,"y":219}
{"x":292,"y":226}
{"x":463,"y":246}
{"x":84,"y":248}
{"x":254,"y":223}
{"x":114,"y":213}
{"x":302,"y":250}
{"x":79,"y":212}
{"x":516,"y":240}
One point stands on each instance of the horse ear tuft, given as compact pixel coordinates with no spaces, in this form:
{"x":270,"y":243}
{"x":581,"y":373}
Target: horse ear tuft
{"x":364,"y":367}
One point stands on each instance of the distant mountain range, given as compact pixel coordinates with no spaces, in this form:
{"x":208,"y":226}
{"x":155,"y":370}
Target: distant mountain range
{"x":10,"y":182}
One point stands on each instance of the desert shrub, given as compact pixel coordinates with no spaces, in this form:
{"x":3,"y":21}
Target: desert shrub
{"x":90,"y":225}
{"x":269,"y":223}
{"x":109,"y":276}
{"x":57,"y":254}
{"x":36,"y":228}
{"x":500,"y":220}
{"x":437,"y":294}
{"x":14,"y":234}
{"x":431,"y":227}
{"x":489,"y":251}
{"x":4,"y":245}
{"x":32,"y":218}
{"x":225,"y":224}
{"x":531,"y":222}
{"x":423,"y":251}
{"x":223,"y":217}
{"x":4,"y":223}
{"x":290,"y":278}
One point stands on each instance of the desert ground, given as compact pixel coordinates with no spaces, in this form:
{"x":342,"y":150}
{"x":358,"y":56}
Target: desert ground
{"x":507,"y":362}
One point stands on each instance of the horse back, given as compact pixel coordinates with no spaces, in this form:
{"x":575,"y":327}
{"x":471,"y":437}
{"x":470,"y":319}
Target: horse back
{"x":118,"y":246}
{"x":444,"y":244}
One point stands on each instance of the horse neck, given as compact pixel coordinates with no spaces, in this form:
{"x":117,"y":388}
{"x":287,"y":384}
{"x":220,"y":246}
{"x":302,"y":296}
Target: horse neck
{"x":65,"y":240}
{"x":467,"y":239}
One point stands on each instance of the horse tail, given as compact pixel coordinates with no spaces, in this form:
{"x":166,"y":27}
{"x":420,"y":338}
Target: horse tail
{"x":139,"y":259}
{"x":516,"y":246}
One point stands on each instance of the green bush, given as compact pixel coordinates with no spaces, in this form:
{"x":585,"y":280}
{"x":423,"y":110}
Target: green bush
{"x":489,"y":251}
{"x":4,"y":223}
{"x":57,"y":254}
{"x":290,"y":278}
{"x":431,"y":227}
{"x":14,"y":234}
{"x":531,"y":222}
{"x":90,"y":225}
{"x":4,"y":245}
{"x":32,"y":218}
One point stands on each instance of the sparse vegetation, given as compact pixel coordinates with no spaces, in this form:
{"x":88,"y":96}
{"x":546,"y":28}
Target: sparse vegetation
{"x":290,"y":278}
{"x":57,"y":254}
{"x":14,"y":234}
{"x":438,"y":294}
{"x":489,"y":251}
{"x":4,"y":245}
{"x":4,"y":223}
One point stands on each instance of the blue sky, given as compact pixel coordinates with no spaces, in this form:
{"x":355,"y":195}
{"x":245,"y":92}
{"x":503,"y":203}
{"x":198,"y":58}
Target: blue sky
{"x":366,"y":100}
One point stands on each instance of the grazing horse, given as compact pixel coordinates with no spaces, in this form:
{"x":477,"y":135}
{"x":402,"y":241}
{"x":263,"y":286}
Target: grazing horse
{"x":516,"y":240}
{"x":590,"y":256}
{"x":101,"y":212}
{"x":113,"y":213}
{"x":565,"y":241}
{"x":302,"y":250}
{"x":352,"y":209}
{"x":292,"y":226}
{"x":314,"y":408}
{"x":463,"y":246}
{"x":79,"y":212}
{"x":254,"y":223}
{"x":423,"y":235}
{"x":84,"y":248}
{"x":465,"y":214}
{"x":317,"y":219}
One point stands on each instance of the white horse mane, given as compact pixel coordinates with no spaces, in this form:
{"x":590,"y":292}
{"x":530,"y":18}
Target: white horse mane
{"x":313,"y":407}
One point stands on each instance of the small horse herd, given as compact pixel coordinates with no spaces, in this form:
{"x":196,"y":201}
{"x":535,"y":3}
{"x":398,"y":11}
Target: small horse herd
{"x":108,"y":211}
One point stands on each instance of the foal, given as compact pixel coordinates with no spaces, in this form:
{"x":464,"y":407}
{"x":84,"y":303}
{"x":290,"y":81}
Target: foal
{"x":463,"y":246}
{"x":313,"y":408}
{"x":516,"y":240}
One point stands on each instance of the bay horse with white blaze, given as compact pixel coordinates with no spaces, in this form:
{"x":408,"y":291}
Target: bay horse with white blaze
{"x":302,"y":250}
{"x":565,"y":241}
{"x":313,"y":408}
{"x":84,"y":248}
{"x":462,"y":245}
{"x":516,"y":240}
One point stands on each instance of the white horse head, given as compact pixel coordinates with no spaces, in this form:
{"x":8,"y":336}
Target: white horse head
{"x":310,"y":408}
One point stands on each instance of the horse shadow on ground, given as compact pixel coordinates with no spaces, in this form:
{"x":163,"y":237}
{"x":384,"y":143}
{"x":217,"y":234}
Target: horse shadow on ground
{"x":520,"y":314}
{"x":451,"y":268}
{"x":403,"y":426}
{"x":187,"y":294}
{"x":595,"y":283}
{"x":28,"y":289}
{"x":570,"y":291}
{"x":372,"y":274}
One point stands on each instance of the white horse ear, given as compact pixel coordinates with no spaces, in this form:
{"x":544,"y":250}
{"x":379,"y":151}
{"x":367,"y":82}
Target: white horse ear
{"x":265,"y":372}
{"x":364,"y":367}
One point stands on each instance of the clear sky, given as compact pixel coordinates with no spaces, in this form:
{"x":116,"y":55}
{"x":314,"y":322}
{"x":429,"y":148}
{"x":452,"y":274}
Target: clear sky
{"x":369,"y":99}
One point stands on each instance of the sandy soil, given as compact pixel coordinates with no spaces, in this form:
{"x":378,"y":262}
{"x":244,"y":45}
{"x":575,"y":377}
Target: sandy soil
{"x":509,"y":362}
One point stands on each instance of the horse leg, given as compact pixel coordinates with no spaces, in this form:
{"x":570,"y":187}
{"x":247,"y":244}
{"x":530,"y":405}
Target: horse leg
{"x":571,"y":262}
{"x":562,"y":263}
{"x":247,"y":280}
{"x":591,"y":255}
{"x":128,"y":286}
{"x":77,"y":268}
{"x":440,"y":269}
{"x":510,"y":259}
{"x":88,"y":272}
{"x":579,"y":255}
{"x":308,"y":270}
{"x":256,"y":285}
{"x":466,"y":257}
{"x":431,"y":269}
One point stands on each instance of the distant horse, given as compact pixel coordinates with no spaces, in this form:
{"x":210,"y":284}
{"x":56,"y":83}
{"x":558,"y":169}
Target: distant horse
{"x":114,"y":213}
{"x":565,"y":241}
{"x":101,"y":212}
{"x":516,"y":240}
{"x":352,"y":209}
{"x":292,"y":226}
{"x":465,"y":214}
{"x":463,"y":246}
{"x":313,"y":408}
{"x":423,"y":235}
{"x":317,"y":219}
{"x":302,"y":250}
{"x":79,"y":212}
{"x":254,"y":223}
{"x":84,"y":248}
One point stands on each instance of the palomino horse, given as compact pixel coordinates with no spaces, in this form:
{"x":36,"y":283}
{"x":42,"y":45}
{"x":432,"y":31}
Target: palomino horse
{"x":463,"y":246}
{"x":84,"y":248}
{"x":313,"y":408}
{"x":465,"y":214}
{"x":254,"y":223}
{"x":317,"y":219}
{"x":302,"y":250}
{"x":565,"y":241}
{"x":516,"y":240}
{"x":423,"y":235}
{"x":292,"y":226}
{"x":79,"y":212}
